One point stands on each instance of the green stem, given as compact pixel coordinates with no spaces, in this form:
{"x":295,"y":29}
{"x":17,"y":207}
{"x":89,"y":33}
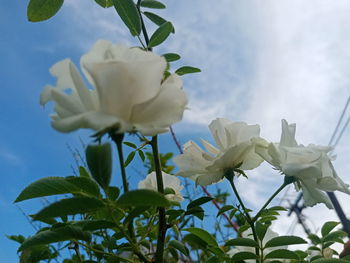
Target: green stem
{"x":269,"y":200}
{"x":229,"y":174}
{"x":143,"y":27}
{"x":118,"y":139}
{"x":162,"y":226}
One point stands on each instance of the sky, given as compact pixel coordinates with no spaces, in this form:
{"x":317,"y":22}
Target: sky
{"x":261,"y":61}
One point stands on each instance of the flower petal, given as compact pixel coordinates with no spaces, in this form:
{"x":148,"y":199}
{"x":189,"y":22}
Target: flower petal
{"x":288,"y":134}
{"x":163,"y":110}
{"x":91,"y":120}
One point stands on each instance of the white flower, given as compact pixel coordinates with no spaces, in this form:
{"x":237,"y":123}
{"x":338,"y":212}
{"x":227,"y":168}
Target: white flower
{"x":169,"y":181}
{"x":248,"y":234}
{"x":128,"y":93}
{"x":310,"y":165}
{"x":234,"y":147}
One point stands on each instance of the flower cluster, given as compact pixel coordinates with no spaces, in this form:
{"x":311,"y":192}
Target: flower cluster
{"x":239,"y":144}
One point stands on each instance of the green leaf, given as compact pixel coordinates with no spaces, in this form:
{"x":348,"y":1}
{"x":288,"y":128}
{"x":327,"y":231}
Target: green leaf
{"x":199,"y":201}
{"x":203,"y":235}
{"x":278,"y":208}
{"x":282,"y":253}
{"x":261,"y":230}
{"x":128,"y":12}
{"x":241,"y":241}
{"x":196,"y":211}
{"x":179,"y":246}
{"x":70,"y":206}
{"x":130,"y":144}
{"x":104,"y":3}
{"x":142,"y":155}
{"x":152,"y":4}
{"x":20,"y":239}
{"x":161,"y":34}
{"x":170,"y":57}
{"x":92,"y":225}
{"x":46,"y":187}
{"x":224,"y":209}
{"x":129,"y":158}
{"x":328,"y":227}
{"x":99,"y":160}
{"x":330,"y":260}
{"x":333,"y":236}
{"x":187,"y":70}
{"x":284,"y":241}
{"x":40,"y":10}
{"x":83,"y":172}
{"x":85,"y":185}
{"x":59,"y":234}
{"x":113,"y":192}
{"x":243,"y":256}
{"x":143,"y":197}
{"x":155,"y":18}
{"x":194,"y":241}
{"x":314,"y":239}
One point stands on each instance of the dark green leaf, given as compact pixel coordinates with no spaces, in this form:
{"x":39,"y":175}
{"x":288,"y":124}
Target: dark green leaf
{"x":142,"y":155}
{"x":335,"y":235}
{"x":83,"y":172}
{"x":129,"y":14}
{"x":284,"y":241}
{"x":243,"y":256}
{"x":20,"y":239}
{"x":194,"y":241}
{"x":314,"y":239}
{"x":85,"y":185}
{"x":40,"y":10}
{"x":282,"y":253}
{"x":196,"y":211}
{"x":261,"y":230}
{"x":46,"y":187}
{"x":199,"y":201}
{"x":241,"y":241}
{"x":170,"y":57}
{"x":187,"y":70}
{"x":143,"y":197}
{"x":129,"y":158}
{"x":104,"y":3}
{"x":278,"y":208}
{"x":179,"y":246}
{"x":59,"y":234}
{"x":99,"y":160}
{"x":161,"y":34}
{"x":92,"y":225}
{"x":328,"y":227}
{"x":330,"y":260}
{"x":152,"y":4}
{"x":130,"y":144}
{"x":203,"y":235}
{"x":70,"y":206}
{"x":224,"y":209}
{"x":113,"y":192}
{"x":134,"y":213}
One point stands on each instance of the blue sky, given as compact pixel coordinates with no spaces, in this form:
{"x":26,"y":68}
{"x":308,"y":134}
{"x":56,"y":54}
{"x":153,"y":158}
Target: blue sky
{"x":261,"y":62}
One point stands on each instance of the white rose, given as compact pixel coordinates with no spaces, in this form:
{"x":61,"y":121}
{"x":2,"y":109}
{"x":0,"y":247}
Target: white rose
{"x":310,"y":165}
{"x":169,"y":181}
{"x":128,"y":92}
{"x":248,"y":234}
{"x":234,"y":147}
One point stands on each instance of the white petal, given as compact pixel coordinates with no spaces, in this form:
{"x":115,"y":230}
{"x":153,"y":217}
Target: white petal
{"x":288,"y":134}
{"x":217,"y":129}
{"x":313,"y":196}
{"x":163,"y":110}
{"x":210,"y":148}
{"x":90,"y":120}
{"x":121,"y":85}
{"x":68,"y":102}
